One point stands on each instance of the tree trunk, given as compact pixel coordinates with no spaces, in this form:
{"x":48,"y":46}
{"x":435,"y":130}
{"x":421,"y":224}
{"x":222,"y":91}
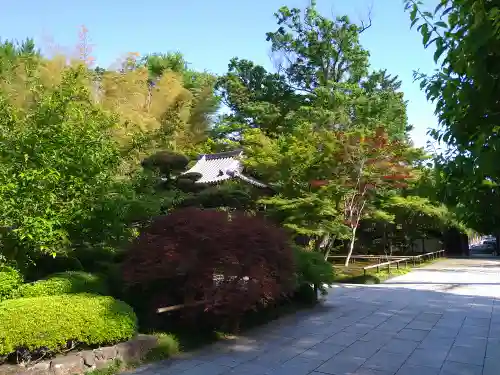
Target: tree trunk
{"x":351,"y":247}
{"x":384,"y":238}
{"x":497,"y":245}
{"x":320,"y":241}
{"x":331,"y":243}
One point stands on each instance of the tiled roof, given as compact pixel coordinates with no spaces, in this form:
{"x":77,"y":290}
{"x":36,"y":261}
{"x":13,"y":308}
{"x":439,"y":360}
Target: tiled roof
{"x":222,"y":166}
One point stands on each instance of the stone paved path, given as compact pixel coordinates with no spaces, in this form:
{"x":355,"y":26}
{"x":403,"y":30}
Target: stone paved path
{"x":440,"y":320}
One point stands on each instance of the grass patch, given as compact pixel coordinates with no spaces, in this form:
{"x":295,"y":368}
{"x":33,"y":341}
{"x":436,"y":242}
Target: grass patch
{"x":371,"y":278}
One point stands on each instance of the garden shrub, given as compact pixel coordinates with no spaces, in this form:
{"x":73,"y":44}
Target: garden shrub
{"x":312,"y":269}
{"x":62,"y":283}
{"x":166,"y":161}
{"x":167,"y":346}
{"x":10,"y":280}
{"x":177,"y":256}
{"x":51,"y":322}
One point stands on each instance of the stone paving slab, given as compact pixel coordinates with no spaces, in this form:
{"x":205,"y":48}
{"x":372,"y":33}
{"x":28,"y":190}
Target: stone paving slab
{"x":438,"y":320}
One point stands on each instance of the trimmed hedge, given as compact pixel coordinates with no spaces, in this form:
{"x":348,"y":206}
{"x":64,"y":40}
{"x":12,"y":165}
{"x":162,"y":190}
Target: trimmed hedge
{"x":63,"y":283}
{"x":10,"y":280}
{"x":51,"y":322}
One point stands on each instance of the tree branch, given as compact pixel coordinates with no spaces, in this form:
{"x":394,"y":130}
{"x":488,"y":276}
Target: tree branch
{"x":365,"y":26}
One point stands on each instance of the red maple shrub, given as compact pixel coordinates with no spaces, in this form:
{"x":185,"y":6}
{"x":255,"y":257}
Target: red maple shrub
{"x":228,"y":263}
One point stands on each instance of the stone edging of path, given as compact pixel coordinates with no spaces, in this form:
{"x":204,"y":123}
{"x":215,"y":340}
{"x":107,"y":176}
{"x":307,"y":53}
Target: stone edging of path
{"x":77,"y":363}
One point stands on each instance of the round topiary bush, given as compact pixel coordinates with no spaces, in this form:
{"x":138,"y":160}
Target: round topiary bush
{"x":226,"y":262}
{"x":49,"y":323}
{"x":63,"y":283}
{"x":10,"y":280}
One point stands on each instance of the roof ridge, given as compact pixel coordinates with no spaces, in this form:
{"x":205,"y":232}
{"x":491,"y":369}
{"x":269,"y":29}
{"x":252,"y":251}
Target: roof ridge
{"x":221,"y":155}
{"x":250,"y":180}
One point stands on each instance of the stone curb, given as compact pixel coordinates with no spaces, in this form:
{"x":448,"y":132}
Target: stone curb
{"x":77,"y":363}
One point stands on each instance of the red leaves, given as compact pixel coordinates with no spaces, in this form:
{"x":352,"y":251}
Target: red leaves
{"x":318,"y":183}
{"x":84,"y":47}
{"x":396,"y":176}
{"x":351,"y":223}
{"x":252,"y":257}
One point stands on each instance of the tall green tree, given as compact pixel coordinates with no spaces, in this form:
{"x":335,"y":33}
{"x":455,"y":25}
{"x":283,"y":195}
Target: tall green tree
{"x":297,"y":124}
{"x":322,"y":75}
{"x":466,"y":38}
{"x":305,"y":200}
{"x":204,"y":104}
{"x":56,"y":158}
{"x":12,"y":52}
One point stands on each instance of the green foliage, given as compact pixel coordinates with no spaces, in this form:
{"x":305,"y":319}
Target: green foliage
{"x":56,"y":159}
{"x":69,"y":150}
{"x":116,"y":216}
{"x":10,"y":280}
{"x":12,"y":53}
{"x":113,"y":369}
{"x":357,"y":171}
{"x":336,"y":40}
{"x":167,"y":346}
{"x":466,"y":38}
{"x":372,"y":278}
{"x":167,"y":162}
{"x":323,"y":78}
{"x":312,"y":268}
{"x":257,"y":98}
{"x":63,"y":283}
{"x":288,"y":163}
{"x":200,"y":84}
{"x":312,"y":130}
{"x":465,"y":35}
{"x":35,"y":323}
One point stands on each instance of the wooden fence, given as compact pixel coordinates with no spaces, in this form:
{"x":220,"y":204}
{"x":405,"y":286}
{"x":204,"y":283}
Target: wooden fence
{"x":393,"y":260}
{"x":413,"y":259}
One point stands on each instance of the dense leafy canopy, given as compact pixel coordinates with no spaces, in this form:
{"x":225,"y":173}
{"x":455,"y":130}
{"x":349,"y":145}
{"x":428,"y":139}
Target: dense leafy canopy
{"x":88,"y":155}
{"x":466,"y":37}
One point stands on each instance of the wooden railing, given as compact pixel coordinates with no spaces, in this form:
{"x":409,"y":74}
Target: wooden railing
{"x":414,"y":259}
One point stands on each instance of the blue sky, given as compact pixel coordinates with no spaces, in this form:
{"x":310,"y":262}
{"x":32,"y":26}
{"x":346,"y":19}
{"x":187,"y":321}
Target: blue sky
{"x":209,"y":33}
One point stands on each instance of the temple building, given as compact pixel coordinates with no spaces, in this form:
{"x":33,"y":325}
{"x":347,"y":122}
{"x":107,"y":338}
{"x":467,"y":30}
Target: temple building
{"x":215,"y":168}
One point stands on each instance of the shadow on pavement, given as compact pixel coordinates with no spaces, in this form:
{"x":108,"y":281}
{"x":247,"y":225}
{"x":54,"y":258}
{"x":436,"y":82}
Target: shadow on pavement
{"x":350,"y":316}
